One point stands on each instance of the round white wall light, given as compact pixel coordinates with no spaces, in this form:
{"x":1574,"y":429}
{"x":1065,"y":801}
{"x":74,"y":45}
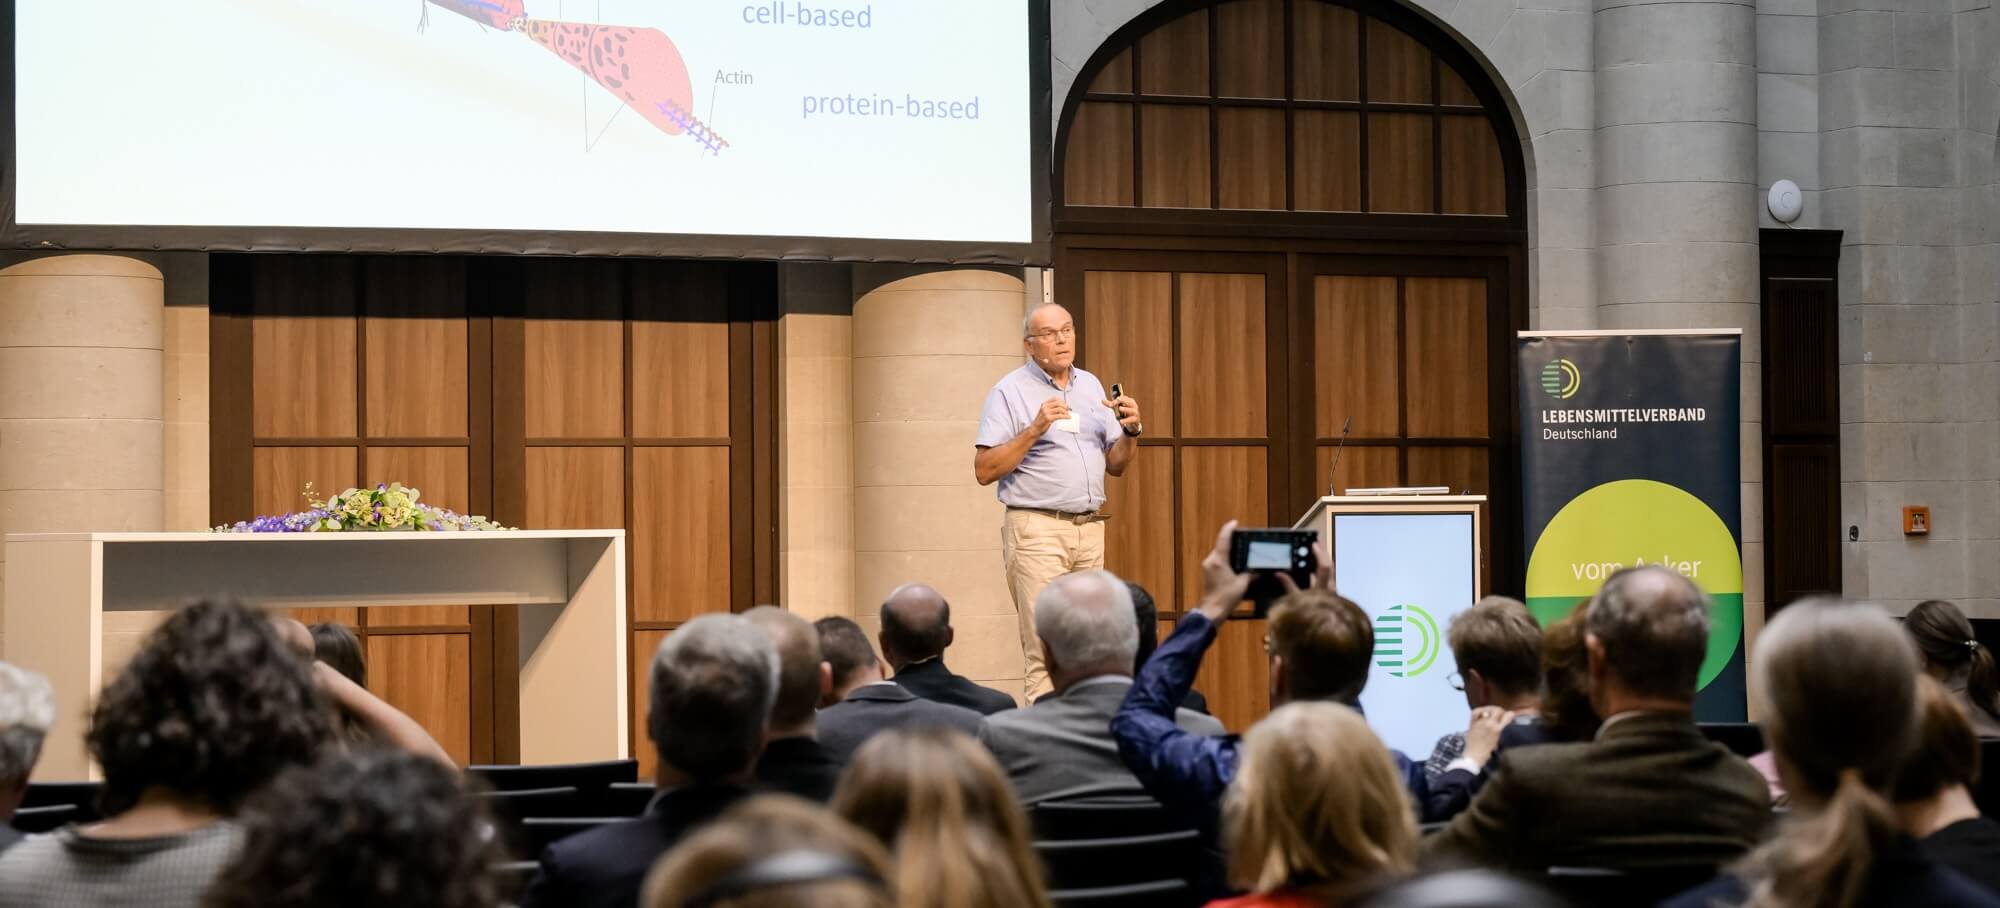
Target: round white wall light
{"x":1786,"y":202}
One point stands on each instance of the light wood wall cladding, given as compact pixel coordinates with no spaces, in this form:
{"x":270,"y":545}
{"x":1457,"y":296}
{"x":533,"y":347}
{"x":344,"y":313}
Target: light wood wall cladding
{"x":1235,"y":675}
{"x":1354,"y":342}
{"x":428,"y":677}
{"x":443,"y":475}
{"x":680,"y":540}
{"x":1218,"y":484}
{"x":1251,"y":158}
{"x":414,"y":337}
{"x":1326,"y":158}
{"x":1116,"y":76}
{"x":1173,"y":59}
{"x":1475,"y":180}
{"x":1129,"y":330}
{"x":1139,"y":536}
{"x":1100,"y":171}
{"x":1399,"y":69}
{"x":1174,"y":152}
{"x":1445,"y":339}
{"x":680,"y":379}
{"x":574,"y":373}
{"x":643,"y":645}
{"x":279,"y":476}
{"x":1452,"y":90}
{"x":1222,"y":355}
{"x":1327,"y":53}
{"x":1463,"y":470}
{"x":303,"y":375}
{"x":576,"y":488}
{"x":1360,"y":467}
{"x":1400,"y":171}
{"x":1250,"y":49}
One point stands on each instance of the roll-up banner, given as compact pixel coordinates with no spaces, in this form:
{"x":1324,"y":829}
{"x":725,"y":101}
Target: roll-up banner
{"x":1630,"y":447}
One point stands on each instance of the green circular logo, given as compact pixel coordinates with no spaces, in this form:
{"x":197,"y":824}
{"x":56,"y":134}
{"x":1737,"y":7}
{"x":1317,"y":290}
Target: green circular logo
{"x":1632,"y":522}
{"x":1406,"y":640}
{"x":1561,"y":379}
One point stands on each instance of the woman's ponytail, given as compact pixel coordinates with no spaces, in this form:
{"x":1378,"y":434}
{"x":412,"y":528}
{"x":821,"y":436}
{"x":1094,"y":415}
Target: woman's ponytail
{"x":1982,"y":683}
{"x":1827,"y":859}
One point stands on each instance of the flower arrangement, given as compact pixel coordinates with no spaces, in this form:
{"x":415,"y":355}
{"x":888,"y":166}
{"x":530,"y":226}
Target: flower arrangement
{"x":391,"y":507}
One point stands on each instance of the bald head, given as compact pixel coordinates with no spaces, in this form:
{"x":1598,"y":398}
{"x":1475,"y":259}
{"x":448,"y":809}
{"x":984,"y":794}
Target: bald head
{"x":1048,"y":334}
{"x":1085,"y":622}
{"x":803,"y":676}
{"x":916,"y":625}
{"x":1648,"y":632}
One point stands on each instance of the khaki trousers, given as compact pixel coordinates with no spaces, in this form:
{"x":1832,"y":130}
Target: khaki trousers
{"x":1038,"y":548}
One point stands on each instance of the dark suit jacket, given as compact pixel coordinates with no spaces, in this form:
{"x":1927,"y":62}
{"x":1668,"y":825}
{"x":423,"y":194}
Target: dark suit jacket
{"x":1651,"y":791}
{"x":797,"y":766}
{"x":875,"y":707}
{"x":1904,"y":877}
{"x":932,"y":681}
{"x":605,"y":867}
{"x":1061,"y":747}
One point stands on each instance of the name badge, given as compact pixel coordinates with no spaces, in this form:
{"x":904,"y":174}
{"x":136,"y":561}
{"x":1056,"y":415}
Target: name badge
{"x":1071,"y":423}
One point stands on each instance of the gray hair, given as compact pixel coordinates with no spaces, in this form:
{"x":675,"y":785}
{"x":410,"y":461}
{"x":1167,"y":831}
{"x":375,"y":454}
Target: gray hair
{"x":1653,"y":624}
{"x":713,"y":682}
{"x":27,"y":712}
{"x":1028,"y":319}
{"x":1086,"y":621}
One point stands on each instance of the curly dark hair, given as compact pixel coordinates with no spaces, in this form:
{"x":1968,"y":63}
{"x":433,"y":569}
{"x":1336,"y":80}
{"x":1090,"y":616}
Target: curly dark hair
{"x":381,"y":828}
{"x":212,"y":707}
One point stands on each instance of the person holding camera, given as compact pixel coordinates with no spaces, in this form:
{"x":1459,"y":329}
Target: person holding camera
{"x":1048,"y":434}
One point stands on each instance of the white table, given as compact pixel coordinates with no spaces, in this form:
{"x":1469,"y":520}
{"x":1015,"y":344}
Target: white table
{"x":570,"y":584}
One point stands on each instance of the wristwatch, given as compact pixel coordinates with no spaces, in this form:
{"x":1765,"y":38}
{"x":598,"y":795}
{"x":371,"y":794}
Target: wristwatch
{"x":1134,"y":430}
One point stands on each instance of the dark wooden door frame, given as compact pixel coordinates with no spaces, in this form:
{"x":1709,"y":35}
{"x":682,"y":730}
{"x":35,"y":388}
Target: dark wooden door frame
{"x":1795,"y":255}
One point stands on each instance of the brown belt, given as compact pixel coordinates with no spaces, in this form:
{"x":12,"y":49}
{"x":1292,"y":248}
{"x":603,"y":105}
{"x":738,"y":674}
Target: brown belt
{"x":1068,"y":516}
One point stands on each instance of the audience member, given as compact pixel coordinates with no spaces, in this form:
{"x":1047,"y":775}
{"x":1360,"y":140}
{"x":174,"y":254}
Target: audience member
{"x":1956,"y":658}
{"x":1320,"y":648}
{"x":337,"y":646}
{"x":1933,"y":791}
{"x":864,"y":704}
{"x":1061,"y":747}
{"x":1836,"y":687}
{"x":1565,"y":713}
{"x":773,"y":851}
{"x":380,"y":828}
{"x":712,"y":684}
{"x":1650,"y":790}
{"x":916,"y":630}
{"x":297,"y":637}
{"x":208,"y":711}
{"x":1498,"y":648}
{"x":1148,"y":615}
{"x":793,"y":762}
{"x":1318,"y":815}
{"x":941,"y":804}
{"x":27,"y":712}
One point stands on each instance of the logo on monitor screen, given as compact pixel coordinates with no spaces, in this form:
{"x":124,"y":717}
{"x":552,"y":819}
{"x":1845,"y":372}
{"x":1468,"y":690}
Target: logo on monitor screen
{"x":1561,"y":379}
{"x":1406,"y":640}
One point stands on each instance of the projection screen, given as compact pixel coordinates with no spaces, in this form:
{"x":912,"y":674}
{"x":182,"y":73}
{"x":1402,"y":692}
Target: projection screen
{"x":890,"y":129}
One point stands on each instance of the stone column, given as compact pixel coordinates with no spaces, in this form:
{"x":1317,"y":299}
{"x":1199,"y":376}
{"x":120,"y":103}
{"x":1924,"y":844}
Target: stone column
{"x":80,"y":395}
{"x":926,"y":348}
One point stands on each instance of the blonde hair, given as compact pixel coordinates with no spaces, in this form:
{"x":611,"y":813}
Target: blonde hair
{"x":948,"y":815}
{"x":1317,"y":802}
{"x":1837,"y":686}
{"x":760,"y":827}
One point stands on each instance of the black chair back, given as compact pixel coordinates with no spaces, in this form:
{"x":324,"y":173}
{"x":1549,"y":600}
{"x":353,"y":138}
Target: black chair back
{"x":1743,"y":739}
{"x":1157,"y":894}
{"x":1591,"y":886}
{"x":1123,"y":861}
{"x":514,"y":878}
{"x":1986,"y":792}
{"x":45,"y":819}
{"x":538,"y":833}
{"x":627,"y":799}
{"x":81,"y":795}
{"x":557,"y":775}
{"x":1099,"y":818}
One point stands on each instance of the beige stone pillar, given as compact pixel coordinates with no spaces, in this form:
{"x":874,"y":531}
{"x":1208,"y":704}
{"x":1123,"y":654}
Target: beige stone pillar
{"x":926,"y":348}
{"x":81,"y":398}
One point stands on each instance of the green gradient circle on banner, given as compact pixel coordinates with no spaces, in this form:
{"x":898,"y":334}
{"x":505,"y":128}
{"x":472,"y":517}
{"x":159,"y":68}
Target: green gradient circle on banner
{"x":1639,"y":521}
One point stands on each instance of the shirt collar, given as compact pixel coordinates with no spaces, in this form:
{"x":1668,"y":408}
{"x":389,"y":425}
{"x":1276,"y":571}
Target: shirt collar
{"x":1095,"y":680}
{"x":1048,"y":379}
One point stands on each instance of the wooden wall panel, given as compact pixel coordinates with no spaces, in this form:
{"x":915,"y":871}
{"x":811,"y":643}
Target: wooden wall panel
{"x":1139,"y":537}
{"x":1174,"y":149}
{"x":428,"y":677}
{"x":1218,"y":484}
{"x":279,"y":476}
{"x":680,"y":537}
{"x":575,"y":379}
{"x":1445,"y":321}
{"x":1222,"y":355}
{"x":680,"y":379}
{"x":1250,"y":149}
{"x":1453,"y":91}
{"x":1463,"y":470}
{"x":442,"y":476}
{"x":1399,"y":163}
{"x":416,"y":377}
{"x":1475,"y":181}
{"x":1250,"y":49}
{"x":1097,"y":170}
{"x":302,"y":376}
{"x":1326,"y":52}
{"x":1173,"y":59}
{"x":575,"y":488}
{"x":1116,"y":76}
{"x":1236,"y":674}
{"x":1128,"y":339}
{"x":1326,"y":157}
{"x":643,"y":645}
{"x":1354,"y":347}
{"x":1360,"y":467}
{"x":1399,"y":69}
